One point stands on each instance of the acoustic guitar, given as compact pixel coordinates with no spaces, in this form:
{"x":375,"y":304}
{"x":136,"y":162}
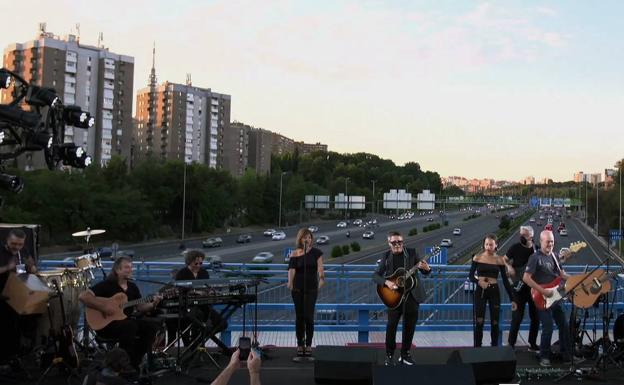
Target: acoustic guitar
{"x":590,"y":286}
{"x":405,"y":281}
{"x":98,"y":320}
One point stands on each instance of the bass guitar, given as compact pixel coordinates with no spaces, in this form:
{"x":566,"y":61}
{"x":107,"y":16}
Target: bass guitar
{"x":98,"y":320}
{"x":405,"y":281}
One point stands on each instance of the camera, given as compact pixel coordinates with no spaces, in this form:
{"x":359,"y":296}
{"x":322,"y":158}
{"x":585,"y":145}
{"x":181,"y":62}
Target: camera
{"x":244,"y":347}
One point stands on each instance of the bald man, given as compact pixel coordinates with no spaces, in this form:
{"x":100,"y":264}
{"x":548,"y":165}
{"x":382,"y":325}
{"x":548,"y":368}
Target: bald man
{"x":543,"y":267}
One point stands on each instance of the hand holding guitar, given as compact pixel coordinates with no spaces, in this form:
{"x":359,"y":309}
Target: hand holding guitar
{"x":391,"y":285}
{"x":423,"y":265}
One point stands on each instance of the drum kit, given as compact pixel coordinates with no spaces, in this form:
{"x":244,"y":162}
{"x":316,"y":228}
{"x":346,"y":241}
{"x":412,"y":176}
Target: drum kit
{"x":54,"y":293}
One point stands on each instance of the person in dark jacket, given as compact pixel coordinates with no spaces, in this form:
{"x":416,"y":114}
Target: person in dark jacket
{"x":401,"y":257}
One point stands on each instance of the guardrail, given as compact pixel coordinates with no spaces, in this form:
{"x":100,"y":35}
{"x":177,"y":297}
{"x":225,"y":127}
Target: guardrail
{"x":348,"y":302}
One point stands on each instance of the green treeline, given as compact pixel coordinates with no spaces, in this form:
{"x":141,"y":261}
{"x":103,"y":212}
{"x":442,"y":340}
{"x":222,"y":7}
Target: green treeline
{"x":146,"y":202}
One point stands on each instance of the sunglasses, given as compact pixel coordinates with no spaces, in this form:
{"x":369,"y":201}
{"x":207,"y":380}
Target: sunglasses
{"x":396,"y":243}
{"x":197,"y":263}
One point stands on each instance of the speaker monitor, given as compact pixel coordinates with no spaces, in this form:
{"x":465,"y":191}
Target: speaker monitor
{"x":424,"y":374}
{"x":341,"y":364}
{"x":489,"y":364}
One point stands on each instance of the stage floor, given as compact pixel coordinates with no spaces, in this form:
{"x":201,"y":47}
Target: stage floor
{"x":279,"y":369}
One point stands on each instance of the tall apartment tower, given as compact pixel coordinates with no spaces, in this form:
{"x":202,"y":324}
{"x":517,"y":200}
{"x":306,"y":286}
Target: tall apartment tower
{"x":93,"y":78}
{"x":260,"y":144}
{"x":236,"y":148}
{"x":180,"y":121}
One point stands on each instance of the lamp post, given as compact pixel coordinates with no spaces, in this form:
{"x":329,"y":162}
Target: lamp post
{"x":620,"y":237}
{"x":279,"y":219}
{"x":586,"y":202}
{"x":374,"y":201}
{"x":346,"y":198}
{"x":183,"y":204}
{"x":597,"y":188}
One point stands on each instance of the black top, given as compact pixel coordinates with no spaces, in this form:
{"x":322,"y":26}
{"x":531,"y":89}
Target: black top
{"x":543,"y":268}
{"x":389,"y":263}
{"x":519,"y":256}
{"x":5,"y":258}
{"x":306,"y":278}
{"x":490,"y":270}
{"x":108,"y":288}
{"x":186,"y":274}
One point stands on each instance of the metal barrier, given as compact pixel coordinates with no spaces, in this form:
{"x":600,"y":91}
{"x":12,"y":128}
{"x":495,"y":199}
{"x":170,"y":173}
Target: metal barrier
{"x":348,"y":301}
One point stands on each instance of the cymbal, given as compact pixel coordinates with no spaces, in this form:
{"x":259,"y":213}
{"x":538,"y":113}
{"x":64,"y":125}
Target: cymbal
{"x":88,"y":232}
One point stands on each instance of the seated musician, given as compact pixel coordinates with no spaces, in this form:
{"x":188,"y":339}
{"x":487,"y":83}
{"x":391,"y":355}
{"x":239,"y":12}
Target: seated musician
{"x":203,"y":313}
{"x":12,"y":256}
{"x":135,"y":335}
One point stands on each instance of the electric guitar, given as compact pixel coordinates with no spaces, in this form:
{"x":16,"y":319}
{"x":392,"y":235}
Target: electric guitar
{"x":405,"y":281}
{"x":541,"y":302}
{"x":591,"y":286}
{"x":98,"y":320}
{"x":573,"y":248}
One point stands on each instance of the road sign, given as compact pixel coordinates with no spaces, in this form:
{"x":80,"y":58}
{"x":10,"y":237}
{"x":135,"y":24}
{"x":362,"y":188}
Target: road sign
{"x":615,"y":234}
{"x":440,"y":259}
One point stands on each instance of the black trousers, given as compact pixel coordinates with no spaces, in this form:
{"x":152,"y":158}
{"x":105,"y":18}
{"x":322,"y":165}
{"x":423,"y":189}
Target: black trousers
{"x":196,"y":316}
{"x":304,"y":315}
{"x":481,"y":298}
{"x":521,"y":298}
{"x":409,"y":311}
{"x":135,"y":336}
{"x":9,"y":332}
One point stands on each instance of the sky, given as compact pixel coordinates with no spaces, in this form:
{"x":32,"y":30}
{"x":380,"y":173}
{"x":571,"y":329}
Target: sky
{"x":478,"y":89}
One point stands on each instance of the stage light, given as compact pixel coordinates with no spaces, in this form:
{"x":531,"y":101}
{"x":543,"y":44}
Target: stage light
{"x":1,"y":137}
{"x":75,"y":116}
{"x":5,"y":78}
{"x":40,"y":140}
{"x":11,"y":182}
{"x":73,"y":155}
{"x":42,"y":96}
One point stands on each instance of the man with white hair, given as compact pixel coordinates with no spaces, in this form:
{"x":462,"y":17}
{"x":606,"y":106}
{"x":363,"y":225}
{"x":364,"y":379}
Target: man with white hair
{"x":516,"y":260}
{"x":543,"y":267}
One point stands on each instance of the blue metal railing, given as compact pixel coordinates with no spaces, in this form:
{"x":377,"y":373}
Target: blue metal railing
{"x":348,"y":302}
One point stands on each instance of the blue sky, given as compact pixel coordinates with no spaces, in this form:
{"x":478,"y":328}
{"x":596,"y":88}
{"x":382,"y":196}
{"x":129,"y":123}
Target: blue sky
{"x":472,"y":88}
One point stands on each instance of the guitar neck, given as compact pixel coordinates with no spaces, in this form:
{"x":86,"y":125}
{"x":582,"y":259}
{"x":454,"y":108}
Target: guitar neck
{"x":139,"y":301}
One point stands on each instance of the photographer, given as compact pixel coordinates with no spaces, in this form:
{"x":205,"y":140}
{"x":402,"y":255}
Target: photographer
{"x":253,"y":365}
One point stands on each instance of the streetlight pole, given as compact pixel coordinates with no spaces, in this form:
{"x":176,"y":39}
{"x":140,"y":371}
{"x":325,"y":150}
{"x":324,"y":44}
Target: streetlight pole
{"x":183,"y":201}
{"x":279,"y":216}
{"x":597,"y":188}
{"x":620,"y":237}
{"x":374,"y":201}
{"x":586,"y":202}
{"x":346,"y":198}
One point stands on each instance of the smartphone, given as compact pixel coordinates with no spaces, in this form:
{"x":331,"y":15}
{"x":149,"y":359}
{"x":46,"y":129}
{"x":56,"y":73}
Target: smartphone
{"x":244,"y":347}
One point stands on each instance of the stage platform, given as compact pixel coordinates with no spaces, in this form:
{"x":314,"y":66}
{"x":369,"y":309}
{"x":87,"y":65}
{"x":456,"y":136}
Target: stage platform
{"x":278,"y":368}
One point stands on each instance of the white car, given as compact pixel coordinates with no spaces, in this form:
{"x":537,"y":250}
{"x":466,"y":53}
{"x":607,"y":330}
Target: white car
{"x":446,"y":243}
{"x":368,"y":235}
{"x":357,"y":222}
{"x":563,"y":232}
{"x":278,"y":236}
{"x":263,"y":257}
{"x":313,"y":229}
{"x":341,"y":224}
{"x":457,"y":231}
{"x":269,"y":232}
{"x":322,"y":240}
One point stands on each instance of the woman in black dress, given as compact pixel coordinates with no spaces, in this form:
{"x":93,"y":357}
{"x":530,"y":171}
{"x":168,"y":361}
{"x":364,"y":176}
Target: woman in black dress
{"x":305,"y":277}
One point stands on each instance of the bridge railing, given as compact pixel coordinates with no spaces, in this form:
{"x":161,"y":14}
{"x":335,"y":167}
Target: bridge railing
{"x":348,"y":301}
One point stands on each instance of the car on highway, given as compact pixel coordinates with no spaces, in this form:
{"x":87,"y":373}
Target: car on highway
{"x":446,"y":243}
{"x":243,"y":238}
{"x":263,"y":257}
{"x":357,"y":222}
{"x":322,"y":240}
{"x":532,"y":220}
{"x":268,"y":232}
{"x":548,"y":227}
{"x":313,"y":229}
{"x":341,"y":224}
{"x":430,"y":219}
{"x":212,"y":242}
{"x":213,"y":261}
{"x":368,"y":235}
{"x":278,"y":235}
{"x":457,"y":231}
{"x":563,"y":232}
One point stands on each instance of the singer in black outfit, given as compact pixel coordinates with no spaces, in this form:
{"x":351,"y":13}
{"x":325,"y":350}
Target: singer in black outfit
{"x":487,"y":266}
{"x":305,"y":277}
{"x":395,"y":258}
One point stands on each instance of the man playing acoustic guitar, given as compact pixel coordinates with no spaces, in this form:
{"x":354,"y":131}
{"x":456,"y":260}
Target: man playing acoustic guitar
{"x":541,"y":271}
{"x":135,"y":335}
{"x":406,"y":258}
